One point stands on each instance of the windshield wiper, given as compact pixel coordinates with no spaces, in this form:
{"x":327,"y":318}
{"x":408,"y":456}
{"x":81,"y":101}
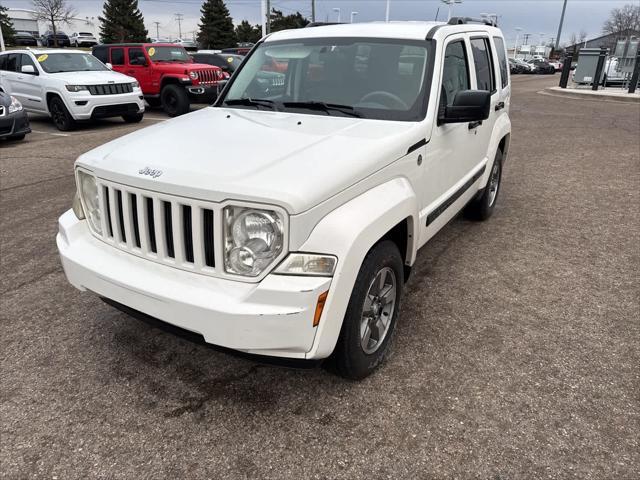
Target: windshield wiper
{"x":251,"y":102}
{"x":325,"y":107}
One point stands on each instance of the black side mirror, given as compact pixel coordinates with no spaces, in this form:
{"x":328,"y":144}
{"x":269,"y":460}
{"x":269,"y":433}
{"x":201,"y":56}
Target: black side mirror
{"x":468,"y":106}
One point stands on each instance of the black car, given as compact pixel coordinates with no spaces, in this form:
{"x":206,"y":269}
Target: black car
{"x":227,"y":62}
{"x":542,"y":67}
{"x":48,"y":39}
{"x":24,"y":39}
{"x":14,"y":122}
{"x":515,"y":67}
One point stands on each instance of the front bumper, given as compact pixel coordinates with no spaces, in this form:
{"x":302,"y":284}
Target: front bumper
{"x":13,"y":124}
{"x":273,"y":317}
{"x":84,"y":106}
{"x":203,"y":93}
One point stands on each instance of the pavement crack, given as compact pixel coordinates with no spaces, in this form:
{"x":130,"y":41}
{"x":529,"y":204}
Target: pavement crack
{"x":36,"y":182}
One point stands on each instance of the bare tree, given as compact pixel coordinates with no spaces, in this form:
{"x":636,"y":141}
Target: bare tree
{"x":622,"y":20}
{"x":574,"y":39}
{"x":582,"y":36}
{"x":53,"y":11}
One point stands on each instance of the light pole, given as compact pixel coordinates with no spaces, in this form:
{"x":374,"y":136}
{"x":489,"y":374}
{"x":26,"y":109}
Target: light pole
{"x":337,"y":10}
{"x":450,"y":4}
{"x":515,"y":48}
{"x":564,"y":8}
{"x":353,"y":16}
{"x":386,"y":15}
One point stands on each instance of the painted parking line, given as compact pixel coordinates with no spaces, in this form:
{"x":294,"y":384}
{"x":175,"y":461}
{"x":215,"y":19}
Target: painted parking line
{"x":51,"y":133}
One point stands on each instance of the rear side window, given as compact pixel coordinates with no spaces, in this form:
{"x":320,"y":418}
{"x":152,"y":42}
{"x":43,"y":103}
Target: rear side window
{"x":117,"y":56}
{"x":11,"y":64}
{"x":502,"y":60}
{"x":483,"y":64}
{"x":455,"y":73}
{"x":3,"y":62}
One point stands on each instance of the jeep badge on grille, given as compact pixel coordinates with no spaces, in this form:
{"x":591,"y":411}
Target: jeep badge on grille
{"x":150,"y":171}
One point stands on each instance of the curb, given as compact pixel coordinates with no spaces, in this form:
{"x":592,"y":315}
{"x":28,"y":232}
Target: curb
{"x":591,"y":95}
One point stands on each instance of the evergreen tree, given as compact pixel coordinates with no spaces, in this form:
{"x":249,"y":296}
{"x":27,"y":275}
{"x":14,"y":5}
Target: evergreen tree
{"x":245,"y":32}
{"x":7,"y":26}
{"x":122,"y":22}
{"x":285,"y":22}
{"x":216,"y":26}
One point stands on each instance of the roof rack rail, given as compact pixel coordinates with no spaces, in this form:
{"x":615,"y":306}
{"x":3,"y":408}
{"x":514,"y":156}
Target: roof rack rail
{"x":465,"y":20}
{"x":321,"y":24}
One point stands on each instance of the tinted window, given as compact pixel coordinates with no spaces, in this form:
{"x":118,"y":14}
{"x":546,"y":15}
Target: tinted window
{"x":101,"y":54}
{"x":117,"y":56}
{"x":483,"y":63}
{"x":3,"y":62}
{"x":12,"y":63}
{"x":502,"y":59}
{"x":136,"y":57}
{"x":455,"y":73}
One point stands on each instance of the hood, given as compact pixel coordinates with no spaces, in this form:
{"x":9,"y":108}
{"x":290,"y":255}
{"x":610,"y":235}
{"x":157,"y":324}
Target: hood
{"x":182,"y":68}
{"x":93,"y":78}
{"x":288,"y":159}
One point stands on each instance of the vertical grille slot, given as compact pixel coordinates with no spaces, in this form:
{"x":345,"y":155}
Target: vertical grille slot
{"x":152,"y":225}
{"x":187,"y":233}
{"x":134,"y":212}
{"x":207,"y":234}
{"x":120,"y":208}
{"x":107,"y":206}
{"x":168,"y":229}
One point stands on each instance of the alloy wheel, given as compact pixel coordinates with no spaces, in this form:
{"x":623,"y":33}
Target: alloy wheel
{"x":377,"y":310}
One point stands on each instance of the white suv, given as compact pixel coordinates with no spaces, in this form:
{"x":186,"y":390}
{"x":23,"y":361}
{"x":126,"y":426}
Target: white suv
{"x":70,"y":86}
{"x":82,"y":39}
{"x":295,"y":235}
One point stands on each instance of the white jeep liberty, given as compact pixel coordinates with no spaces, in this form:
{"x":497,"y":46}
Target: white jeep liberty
{"x":284,"y":219}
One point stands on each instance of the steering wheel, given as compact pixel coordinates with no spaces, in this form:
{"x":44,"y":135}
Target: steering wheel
{"x":397,"y":101}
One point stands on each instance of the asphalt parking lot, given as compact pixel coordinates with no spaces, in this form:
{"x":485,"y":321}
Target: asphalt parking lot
{"x":517,"y":353}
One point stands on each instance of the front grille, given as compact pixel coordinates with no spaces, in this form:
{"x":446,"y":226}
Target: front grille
{"x":163,"y":228}
{"x":105,"y":111}
{"x":209,"y":75}
{"x":110,"y":89}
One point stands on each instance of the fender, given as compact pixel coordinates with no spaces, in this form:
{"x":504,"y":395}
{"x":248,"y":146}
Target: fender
{"x":501,"y":128}
{"x":349,"y":232}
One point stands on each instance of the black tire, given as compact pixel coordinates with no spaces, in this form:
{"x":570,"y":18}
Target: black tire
{"x":153,"y":102}
{"x":17,"y":138}
{"x":61,"y":117}
{"x":175,"y":100}
{"x":481,"y":208}
{"x":133,"y":117}
{"x":350,"y":360}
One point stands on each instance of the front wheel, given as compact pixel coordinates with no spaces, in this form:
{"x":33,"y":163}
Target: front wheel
{"x":481,"y":208}
{"x":61,"y":117}
{"x":133,"y":117}
{"x":371,"y":315}
{"x":174,"y":100}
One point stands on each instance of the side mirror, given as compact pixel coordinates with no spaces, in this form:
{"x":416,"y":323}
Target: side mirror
{"x":468,"y":106}
{"x":29,"y":69}
{"x":109,"y":66}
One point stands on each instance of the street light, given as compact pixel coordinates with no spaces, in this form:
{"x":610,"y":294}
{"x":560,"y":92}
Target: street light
{"x":515,"y":48}
{"x":337,"y":10}
{"x":386,"y":15}
{"x":450,"y":4}
{"x":353,"y":16}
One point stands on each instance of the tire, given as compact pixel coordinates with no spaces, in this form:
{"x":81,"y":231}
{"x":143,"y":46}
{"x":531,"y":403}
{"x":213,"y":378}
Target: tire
{"x":481,"y":208}
{"x":153,"y":102}
{"x":61,"y":117}
{"x":174,"y":100}
{"x":17,"y":138}
{"x":133,"y":117}
{"x":358,"y":353}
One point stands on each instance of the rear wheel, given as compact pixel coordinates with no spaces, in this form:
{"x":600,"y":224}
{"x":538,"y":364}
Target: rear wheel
{"x":174,"y":100}
{"x":482,"y":207}
{"x":371,"y":315}
{"x":133,"y":117}
{"x":61,"y":117}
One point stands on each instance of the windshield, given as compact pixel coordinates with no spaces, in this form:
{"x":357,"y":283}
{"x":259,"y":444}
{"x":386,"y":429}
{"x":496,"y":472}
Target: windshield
{"x":168,"y":54}
{"x":370,"y":78}
{"x":70,"y":62}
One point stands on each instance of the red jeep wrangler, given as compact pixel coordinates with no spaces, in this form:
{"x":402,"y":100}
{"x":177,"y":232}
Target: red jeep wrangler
{"x":166,"y":73}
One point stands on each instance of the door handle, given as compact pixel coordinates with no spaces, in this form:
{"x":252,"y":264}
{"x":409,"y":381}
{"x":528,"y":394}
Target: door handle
{"x":499,"y":106}
{"x":473,"y":125}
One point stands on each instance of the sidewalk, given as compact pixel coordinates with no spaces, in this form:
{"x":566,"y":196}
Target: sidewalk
{"x":608,"y":94}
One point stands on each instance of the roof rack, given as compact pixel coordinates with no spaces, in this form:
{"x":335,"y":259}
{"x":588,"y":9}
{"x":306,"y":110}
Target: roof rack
{"x":465,"y":20}
{"x":321,"y":24}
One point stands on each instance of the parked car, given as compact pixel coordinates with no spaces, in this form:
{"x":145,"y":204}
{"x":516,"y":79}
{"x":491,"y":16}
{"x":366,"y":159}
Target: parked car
{"x":526,"y":67}
{"x":83,"y":39}
{"x":228,"y":63}
{"x":188,"y":45}
{"x":557,"y":65}
{"x":14,"y":123}
{"x":542,"y":67}
{"x":69,"y":86}
{"x":49,"y":39}
{"x":24,"y":39}
{"x":166,"y":73}
{"x":295,"y":237}
{"x":237,"y":50}
{"x":516,"y":68}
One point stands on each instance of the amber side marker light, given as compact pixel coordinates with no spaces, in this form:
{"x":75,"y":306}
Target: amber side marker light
{"x":322,"y":299}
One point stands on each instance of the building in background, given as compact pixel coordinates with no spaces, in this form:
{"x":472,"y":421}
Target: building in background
{"x":606,"y":41}
{"x":23,"y":21}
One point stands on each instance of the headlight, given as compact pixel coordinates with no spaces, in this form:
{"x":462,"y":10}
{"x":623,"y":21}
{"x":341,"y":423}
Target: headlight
{"x":76,"y":88}
{"x":307,"y":264}
{"x":15,"y":106}
{"x":90,"y":202}
{"x":135,"y":85}
{"x":253,"y":240}
{"x":193,"y":75}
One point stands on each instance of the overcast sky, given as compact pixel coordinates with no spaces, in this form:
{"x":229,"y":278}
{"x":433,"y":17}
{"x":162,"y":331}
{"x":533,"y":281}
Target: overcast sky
{"x":533,"y":16}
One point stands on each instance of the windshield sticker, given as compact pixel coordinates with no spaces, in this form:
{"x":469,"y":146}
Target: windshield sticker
{"x":42,"y":57}
{"x":229,"y":59}
{"x":152,"y":52}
